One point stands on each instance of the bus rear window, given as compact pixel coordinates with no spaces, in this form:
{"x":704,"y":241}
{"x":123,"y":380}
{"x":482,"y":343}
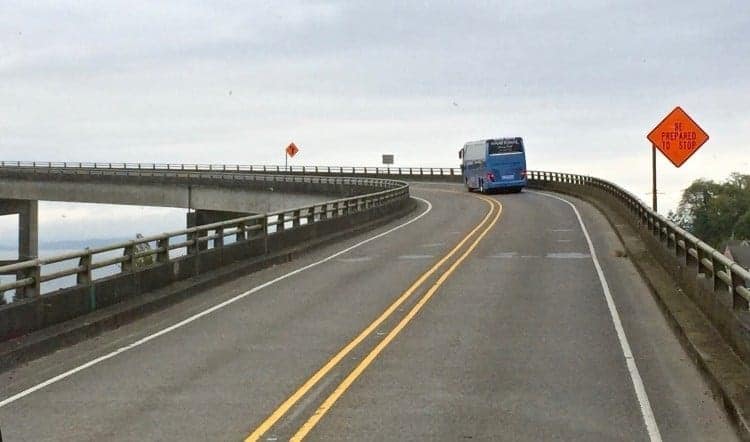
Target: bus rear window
{"x":504,"y":146}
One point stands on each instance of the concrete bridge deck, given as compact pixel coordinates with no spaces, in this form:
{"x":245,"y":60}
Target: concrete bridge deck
{"x":500,"y":350}
{"x":208,"y":190}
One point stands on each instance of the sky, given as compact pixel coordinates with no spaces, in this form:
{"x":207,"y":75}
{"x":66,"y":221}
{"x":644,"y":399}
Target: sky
{"x":234,"y":82}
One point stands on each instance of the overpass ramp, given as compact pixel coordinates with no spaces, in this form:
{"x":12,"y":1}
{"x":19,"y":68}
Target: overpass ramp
{"x":377,"y":339}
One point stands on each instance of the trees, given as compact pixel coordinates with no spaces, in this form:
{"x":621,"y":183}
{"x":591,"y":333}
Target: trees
{"x":716,"y":212}
{"x":143,"y":261}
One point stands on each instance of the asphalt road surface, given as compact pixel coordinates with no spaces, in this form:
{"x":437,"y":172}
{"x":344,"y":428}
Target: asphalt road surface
{"x":475,"y":321}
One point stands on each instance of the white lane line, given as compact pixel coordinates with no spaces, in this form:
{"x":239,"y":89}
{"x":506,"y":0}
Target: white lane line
{"x":434,"y":244}
{"x":635,"y":375}
{"x":208,"y":311}
{"x":355,"y":259}
{"x":416,"y":256}
{"x":568,"y":255}
{"x":503,"y":255}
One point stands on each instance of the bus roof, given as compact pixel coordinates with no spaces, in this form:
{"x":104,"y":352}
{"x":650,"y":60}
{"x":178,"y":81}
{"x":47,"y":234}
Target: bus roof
{"x":517,"y":139}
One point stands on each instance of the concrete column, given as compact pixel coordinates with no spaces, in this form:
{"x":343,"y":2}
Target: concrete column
{"x":28,"y":225}
{"x":28,"y":231}
{"x":28,"y":238}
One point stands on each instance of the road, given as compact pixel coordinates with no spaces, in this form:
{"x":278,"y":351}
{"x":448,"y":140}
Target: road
{"x":467,"y":320}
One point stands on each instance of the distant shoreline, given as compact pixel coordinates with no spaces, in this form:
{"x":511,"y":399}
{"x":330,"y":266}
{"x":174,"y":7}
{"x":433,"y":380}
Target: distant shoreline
{"x":67,"y":245}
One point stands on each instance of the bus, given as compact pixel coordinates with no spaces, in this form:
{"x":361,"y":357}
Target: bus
{"x":495,"y":164}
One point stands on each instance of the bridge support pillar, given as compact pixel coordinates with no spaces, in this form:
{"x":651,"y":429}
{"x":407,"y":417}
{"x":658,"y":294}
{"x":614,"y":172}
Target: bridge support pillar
{"x":200,"y":217}
{"x":28,"y":238}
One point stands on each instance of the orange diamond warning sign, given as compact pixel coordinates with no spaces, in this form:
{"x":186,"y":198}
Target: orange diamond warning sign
{"x":678,"y":137}
{"x":292,"y":150}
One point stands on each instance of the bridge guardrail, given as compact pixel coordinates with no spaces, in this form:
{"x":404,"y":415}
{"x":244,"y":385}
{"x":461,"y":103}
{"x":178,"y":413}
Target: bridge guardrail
{"x":192,"y":240}
{"x":726,"y":275}
{"x":337,"y":170}
{"x":230,"y":175}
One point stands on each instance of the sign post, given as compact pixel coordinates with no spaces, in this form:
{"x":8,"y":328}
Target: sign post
{"x":678,"y":137}
{"x":654,"y":204}
{"x":291,"y":150}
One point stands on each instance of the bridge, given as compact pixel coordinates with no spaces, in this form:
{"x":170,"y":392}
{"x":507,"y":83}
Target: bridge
{"x":329,"y":303}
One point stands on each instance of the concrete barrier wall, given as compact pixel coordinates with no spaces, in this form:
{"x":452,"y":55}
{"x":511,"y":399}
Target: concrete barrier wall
{"x":28,"y":315}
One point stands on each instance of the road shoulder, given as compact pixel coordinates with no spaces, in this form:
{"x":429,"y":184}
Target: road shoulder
{"x":726,"y":377}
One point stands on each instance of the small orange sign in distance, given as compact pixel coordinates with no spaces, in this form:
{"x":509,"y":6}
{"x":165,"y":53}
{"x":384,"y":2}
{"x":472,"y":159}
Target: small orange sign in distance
{"x":292,"y":150}
{"x":678,"y":137}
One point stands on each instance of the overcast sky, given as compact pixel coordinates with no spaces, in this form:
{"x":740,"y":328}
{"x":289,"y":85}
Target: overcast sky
{"x":234,"y":82}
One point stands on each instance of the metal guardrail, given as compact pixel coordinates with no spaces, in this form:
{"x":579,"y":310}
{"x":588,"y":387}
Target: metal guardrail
{"x":85,"y":169}
{"x":29,"y":273}
{"x":337,"y":170}
{"x":726,"y":275}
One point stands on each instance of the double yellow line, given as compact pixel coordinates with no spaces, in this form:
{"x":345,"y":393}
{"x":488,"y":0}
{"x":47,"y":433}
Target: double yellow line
{"x":487,"y":223}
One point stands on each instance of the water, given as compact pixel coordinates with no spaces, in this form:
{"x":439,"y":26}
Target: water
{"x":67,"y":228}
{"x":71,"y":227}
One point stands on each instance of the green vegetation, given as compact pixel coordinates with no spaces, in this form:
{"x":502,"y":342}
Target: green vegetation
{"x":143,"y":261}
{"x":716,"y":212}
